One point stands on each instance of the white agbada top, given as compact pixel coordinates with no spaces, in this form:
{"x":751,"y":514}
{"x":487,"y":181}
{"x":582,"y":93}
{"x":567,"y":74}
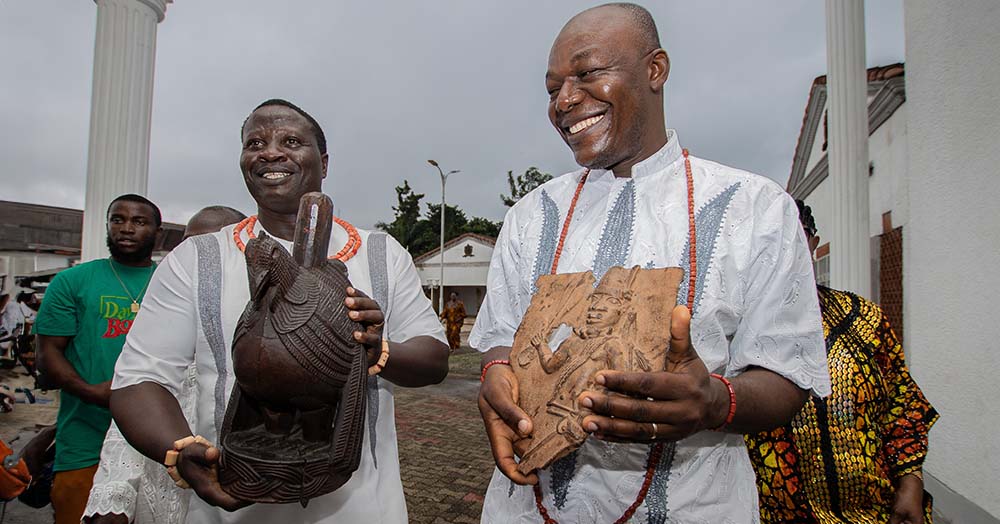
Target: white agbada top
{"x":179,"y":324}
{"x":755,"y":305}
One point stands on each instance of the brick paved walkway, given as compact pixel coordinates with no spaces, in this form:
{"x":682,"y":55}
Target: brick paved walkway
{"x":444,"y":456}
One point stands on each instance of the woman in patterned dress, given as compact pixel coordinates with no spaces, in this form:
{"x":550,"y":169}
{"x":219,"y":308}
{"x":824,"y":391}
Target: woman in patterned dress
{"x":453,"y":317}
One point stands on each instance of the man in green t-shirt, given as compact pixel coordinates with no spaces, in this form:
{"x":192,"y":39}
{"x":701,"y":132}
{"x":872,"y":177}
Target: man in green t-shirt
{"x":81,"y":327}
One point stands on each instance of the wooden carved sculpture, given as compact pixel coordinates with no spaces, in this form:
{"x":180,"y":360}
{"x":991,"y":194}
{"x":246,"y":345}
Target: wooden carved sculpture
{"x":293,"y":426}
{"x":571,"y":331}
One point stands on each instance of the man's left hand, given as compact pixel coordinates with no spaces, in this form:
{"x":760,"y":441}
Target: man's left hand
{"x":660,"y":406}
{"x":366,"y":311}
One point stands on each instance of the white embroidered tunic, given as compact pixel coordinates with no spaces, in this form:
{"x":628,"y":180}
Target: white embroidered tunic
{"x":186,"y":319}
{"x":754,"y":305}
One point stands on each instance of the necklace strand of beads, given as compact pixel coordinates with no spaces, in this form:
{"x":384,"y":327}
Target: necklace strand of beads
{"x":657,"y":450}
{"x":345,"y":254}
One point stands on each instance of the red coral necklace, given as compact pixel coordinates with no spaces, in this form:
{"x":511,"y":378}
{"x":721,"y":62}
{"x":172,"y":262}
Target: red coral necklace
{"x":345,"y":254}
{"x":657,"y":451}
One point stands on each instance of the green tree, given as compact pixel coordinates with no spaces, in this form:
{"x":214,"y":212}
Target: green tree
{"x":405,"y":225}
{"x":523,"y":184}
{"x":420,"y":234}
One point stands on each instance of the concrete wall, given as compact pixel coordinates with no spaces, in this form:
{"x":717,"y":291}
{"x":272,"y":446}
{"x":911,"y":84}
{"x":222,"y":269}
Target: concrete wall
{"x":887,"y":150}
{"x":459,"y":270}
{"x":953,"y":237}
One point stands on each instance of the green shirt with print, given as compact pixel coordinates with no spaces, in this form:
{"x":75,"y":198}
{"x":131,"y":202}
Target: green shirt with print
{"x":89,"y":303}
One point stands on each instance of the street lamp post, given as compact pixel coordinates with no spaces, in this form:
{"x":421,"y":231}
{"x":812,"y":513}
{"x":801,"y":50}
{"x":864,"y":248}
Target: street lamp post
{"x":444,"y":178}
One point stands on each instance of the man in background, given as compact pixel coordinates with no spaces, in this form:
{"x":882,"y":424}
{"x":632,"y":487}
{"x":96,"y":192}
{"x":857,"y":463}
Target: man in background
{"x":80,"y":327}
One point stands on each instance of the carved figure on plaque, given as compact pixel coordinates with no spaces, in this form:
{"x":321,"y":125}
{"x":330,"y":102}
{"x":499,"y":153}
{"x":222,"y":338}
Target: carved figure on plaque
{"x":293,"y":427}
{"x":571,"y":331}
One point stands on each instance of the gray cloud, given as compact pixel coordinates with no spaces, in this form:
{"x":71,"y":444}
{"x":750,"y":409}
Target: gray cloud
{"x":393,"y":84}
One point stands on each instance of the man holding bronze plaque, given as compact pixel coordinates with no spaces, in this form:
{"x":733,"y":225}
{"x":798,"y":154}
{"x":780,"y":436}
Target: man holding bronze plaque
{"x":207,"y":305}
{"x":660,"y":437}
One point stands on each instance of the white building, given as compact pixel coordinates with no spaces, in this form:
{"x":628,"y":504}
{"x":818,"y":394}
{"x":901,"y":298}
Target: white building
{"x":934,"y":178}
{"x":466,"y":265}
{"x":887,"y":204}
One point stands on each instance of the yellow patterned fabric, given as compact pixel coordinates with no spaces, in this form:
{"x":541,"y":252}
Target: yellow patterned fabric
{"x":839,"y":459}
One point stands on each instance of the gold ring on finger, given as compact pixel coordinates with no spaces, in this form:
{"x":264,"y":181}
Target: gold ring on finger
{"x":655,"y":431}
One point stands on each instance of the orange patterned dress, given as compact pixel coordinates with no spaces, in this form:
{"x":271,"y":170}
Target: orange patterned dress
{"x":840,"y":457}
{"x":453,"y":317}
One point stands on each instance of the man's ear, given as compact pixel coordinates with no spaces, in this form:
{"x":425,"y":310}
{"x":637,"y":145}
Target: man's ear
{"x":326,"y":161}
{"x":659,"y":69}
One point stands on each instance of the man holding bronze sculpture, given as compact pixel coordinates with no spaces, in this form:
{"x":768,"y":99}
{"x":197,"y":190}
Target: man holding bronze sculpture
{"x":298,"y":324}
{"x":591,"y":418}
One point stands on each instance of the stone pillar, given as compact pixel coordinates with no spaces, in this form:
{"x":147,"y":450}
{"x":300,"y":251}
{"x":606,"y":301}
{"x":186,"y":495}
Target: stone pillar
{"x":847,"y":91}
{"x":120,"y":109}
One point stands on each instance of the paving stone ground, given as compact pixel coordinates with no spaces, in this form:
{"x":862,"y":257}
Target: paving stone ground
{"x":444,"y":457}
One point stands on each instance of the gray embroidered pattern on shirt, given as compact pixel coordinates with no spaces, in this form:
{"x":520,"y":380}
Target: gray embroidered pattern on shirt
{"x":616,"y":239}
{"x":707,"y":226}
{"x":613,"y":249}
{"x":561,"y":472}
{"x":210,"y":314}
{"x":379,"y":274}
{"x":547,"y":242}
{"x":656,"y":497}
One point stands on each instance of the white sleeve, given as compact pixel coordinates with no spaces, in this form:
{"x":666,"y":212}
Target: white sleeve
{"x":161,"y":342}
{"x":410,"y":312}
{"x":781,"y":329}
{"x":116,"y":482}
{"x":500,"y":314}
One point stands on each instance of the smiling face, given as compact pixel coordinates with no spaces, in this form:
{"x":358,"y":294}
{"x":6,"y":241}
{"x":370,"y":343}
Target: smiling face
{"x":606,"y":91}
{"x":281,"y":160}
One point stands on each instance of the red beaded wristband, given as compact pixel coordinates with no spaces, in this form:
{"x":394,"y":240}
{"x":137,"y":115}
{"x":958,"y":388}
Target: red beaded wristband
{"x":732,"y":401}
{"x":482,"y":377}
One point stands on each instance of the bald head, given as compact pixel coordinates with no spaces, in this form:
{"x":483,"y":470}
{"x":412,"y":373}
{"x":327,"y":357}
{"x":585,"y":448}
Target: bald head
{"x":212,"y":219}
{"x":635,"y":18}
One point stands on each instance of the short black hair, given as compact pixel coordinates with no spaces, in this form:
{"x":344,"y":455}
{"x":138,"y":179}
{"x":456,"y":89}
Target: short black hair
{"x":131,"y":197}
{"x":806,"y":218}
{"x":317,"y":130}
{"x":643,"y":21}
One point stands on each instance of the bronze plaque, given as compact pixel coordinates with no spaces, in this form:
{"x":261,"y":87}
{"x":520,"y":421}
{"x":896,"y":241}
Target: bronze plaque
{"x":572,"y":330}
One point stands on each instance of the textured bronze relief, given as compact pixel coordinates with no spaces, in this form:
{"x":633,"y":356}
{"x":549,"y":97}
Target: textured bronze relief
{"x":293,"y":426}
{"x":571,"y":331}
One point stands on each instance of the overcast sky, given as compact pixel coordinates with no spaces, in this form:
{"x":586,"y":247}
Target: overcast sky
{"x":394,"y":84}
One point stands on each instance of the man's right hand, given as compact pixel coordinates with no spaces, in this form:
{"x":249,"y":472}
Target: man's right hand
{"x":505,"y":422}
{"x":199,"y":466}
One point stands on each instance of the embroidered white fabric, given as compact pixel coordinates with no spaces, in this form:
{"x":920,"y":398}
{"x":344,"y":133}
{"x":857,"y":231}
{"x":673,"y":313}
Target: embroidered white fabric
{"x":168,"y":336}
{"x":755,"y":306}
{"x":127,"y":483}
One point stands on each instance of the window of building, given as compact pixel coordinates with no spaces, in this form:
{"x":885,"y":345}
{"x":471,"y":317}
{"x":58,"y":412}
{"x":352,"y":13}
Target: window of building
{"x":821,"y":266}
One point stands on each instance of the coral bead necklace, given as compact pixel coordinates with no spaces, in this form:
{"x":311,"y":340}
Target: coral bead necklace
{"x":345,"y":254}
{"x":657,"y":450}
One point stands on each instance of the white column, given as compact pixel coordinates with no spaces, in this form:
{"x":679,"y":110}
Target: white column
{"x":120,"y":109}
{"x":847,"y":91}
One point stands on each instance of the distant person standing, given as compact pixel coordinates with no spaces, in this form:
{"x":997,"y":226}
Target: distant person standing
{"x":11,"y":321}
{"x":81,"y":326}
{"x":453,"y":317}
